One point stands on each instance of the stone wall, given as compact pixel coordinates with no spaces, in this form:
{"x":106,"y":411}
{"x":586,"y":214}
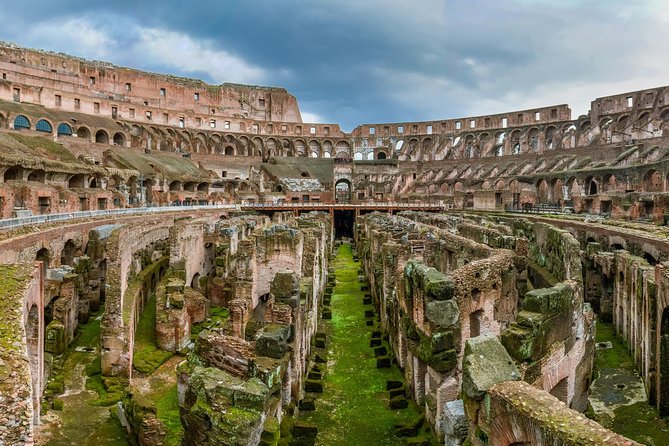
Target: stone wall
{"x":21,"y":352}
{"x":441,"y":280}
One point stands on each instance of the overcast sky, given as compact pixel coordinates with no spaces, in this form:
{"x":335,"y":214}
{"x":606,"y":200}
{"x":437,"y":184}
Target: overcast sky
{"x":368,"y":61}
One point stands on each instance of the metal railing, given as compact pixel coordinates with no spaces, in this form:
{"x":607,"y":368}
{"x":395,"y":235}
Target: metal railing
{"x":11,"y":223}
{"x":357,"y":205}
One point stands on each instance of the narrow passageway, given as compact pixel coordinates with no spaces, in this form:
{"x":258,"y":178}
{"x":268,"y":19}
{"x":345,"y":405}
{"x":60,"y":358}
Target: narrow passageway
{"x":354,"y":407}
{"x":618,"y":398}
{"x":84,"y":415}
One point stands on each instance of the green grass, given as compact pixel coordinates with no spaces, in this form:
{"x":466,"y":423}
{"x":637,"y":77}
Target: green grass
{"x":146,"y":356}
{"x":168,"y":414}
{"x":638,"y":421}
{"x":52,"y":148}
{"x":353,"y":410}
{"x":616,"y":357}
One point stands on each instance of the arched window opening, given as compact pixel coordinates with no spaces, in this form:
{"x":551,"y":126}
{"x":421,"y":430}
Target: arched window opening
{"x":84,"y":132}
{"x":13,"y":173}
{"x":119,"y":139}
{"x":64,"y":129}
{"x":37,"y":175}
{"x":381,"y":156}
{"x":21,"y":122}
{"x":101,"y":137}
{"x":43,"y":126}
{"x":343,"y":191}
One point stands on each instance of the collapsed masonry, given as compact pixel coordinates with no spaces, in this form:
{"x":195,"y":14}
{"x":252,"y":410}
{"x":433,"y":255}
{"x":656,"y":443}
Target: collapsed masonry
{"x":447,"y":288}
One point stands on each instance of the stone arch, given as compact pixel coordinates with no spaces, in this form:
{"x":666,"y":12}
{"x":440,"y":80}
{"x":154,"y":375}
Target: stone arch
{"x":102,"y":137}
{"x":68,"y":253}
{"x":119,"y":139}
{"x":44,"y":126}
{"x":343,"y":190}
{"x":175,"y":185}
{"x":84,"y":132}
{"x":195,"y":282}
{"x":653,"y":181}
{"x":591,"y":185}
{"x":609,"y":183}
{"x":38,"y":175}
{"x":550,"y":141}
{"x":77,"y":181}
{"x":13,"y":173}
{"x":44,"y":256}
{"x":64,"y":129}
{"x":21,"y":122}
{"x":542,"y":191}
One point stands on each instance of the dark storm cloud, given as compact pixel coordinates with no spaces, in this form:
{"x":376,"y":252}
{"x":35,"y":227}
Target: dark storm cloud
{"x":379,"y":60}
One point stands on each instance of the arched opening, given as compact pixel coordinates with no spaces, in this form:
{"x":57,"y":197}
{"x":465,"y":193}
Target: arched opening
{"x":13,"y":173}
{"x":64,"y":129}
{"x":175,"y":185}
{"x":592,"y":190}
{"x":203,"y":187}
{"x":475,"y":320}
{"x":43,"y":126}
{"x":195,"y":283}
{"x":119,"y":139}
{"x":37,"y":175}
{"x":68,"y":253}
{"x":21,"y":122}
{"x":189,"y":186}
{"x":343,"y":191}
{"x":650,"y":258}
{"x":101,"y":137}
{"x":542,"y":191}
{"x":652,"y":181}
{"x":229,"y":150}
{"x":561,"y":390}
{"x":44,"y":257}
{"x":84,"y":132}
{"x":77,"y":181}
{"x":381,"y":155}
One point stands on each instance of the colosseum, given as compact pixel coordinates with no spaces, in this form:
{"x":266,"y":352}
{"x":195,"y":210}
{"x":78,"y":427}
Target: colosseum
{"x":191,"y":264}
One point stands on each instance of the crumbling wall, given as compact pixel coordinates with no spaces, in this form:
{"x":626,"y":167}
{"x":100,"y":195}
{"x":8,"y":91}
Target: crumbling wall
{"x":21,"y":352}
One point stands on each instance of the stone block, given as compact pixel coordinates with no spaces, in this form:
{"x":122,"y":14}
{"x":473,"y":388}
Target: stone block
{"x":399,"y":402}
{"x":272,"y":341}
{"x":393,"y":384}
{"x":380,"y":351}
{"x":313,"y":386}
{"x":485,"y":364}
{"x":454,"y":423}
{"x":285,"y":284}
{"x":383,"y":362}
{"x":307,"y":403}
{"x":444,"y":313}
{"x":400,"y":391}
{"x":304,"y":430}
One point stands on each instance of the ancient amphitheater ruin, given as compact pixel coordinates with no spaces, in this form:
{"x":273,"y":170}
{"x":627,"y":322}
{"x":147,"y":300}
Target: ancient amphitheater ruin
{"x":190,"y":264}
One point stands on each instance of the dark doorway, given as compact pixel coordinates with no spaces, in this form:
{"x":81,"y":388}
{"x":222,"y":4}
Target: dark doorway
{"x":343,"y":221}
